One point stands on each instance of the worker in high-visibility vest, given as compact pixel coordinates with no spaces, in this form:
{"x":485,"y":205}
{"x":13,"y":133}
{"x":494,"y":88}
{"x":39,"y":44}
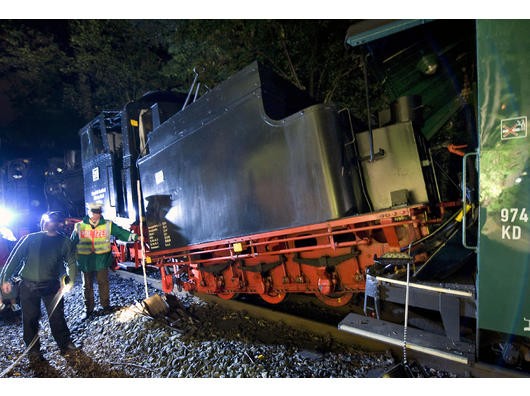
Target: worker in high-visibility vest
{"x":91,"y":236}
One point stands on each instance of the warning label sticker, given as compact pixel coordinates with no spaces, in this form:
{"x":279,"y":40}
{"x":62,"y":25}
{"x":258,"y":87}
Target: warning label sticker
{"x":514,"y":128}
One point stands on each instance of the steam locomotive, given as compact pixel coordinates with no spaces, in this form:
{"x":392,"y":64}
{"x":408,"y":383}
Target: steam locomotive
{"x":254,"y":188}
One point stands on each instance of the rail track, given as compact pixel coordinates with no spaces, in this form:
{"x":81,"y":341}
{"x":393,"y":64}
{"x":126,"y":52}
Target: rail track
{"x":326,"y":325}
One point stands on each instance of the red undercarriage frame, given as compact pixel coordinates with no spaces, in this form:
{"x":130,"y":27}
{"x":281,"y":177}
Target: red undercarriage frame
{"x":327,"y":259}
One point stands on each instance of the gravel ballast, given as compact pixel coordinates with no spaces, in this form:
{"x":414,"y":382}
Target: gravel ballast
{"x":198,"y":340}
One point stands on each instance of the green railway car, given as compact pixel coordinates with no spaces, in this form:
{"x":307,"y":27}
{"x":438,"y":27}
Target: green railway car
{"x":503,"y":287}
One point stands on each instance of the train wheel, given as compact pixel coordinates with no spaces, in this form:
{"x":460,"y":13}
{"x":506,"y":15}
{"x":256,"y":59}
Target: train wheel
{"x":273,"y":297}
{"x":226,"y":295}
{"x":335,"y":299}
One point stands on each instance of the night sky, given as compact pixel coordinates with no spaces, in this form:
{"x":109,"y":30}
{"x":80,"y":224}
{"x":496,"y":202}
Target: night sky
{"x":34,"y":125}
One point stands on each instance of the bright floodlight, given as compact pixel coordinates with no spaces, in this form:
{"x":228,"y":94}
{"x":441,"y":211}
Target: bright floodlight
{"x":6,"y":216}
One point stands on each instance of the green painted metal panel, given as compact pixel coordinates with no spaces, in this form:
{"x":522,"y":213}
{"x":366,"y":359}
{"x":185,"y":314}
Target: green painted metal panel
{"x":503,"y":55}
{"x":371,"y":29}
{"x":401,"y":60}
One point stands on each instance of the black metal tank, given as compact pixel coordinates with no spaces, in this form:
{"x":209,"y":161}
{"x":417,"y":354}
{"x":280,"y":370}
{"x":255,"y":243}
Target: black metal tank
{"x":253,"y":155}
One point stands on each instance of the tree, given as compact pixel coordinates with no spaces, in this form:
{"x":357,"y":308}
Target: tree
{"x":114,"y":62}
{"x":309,"y":53}
{"x":31,"y":68}
{"x":60,"y":74}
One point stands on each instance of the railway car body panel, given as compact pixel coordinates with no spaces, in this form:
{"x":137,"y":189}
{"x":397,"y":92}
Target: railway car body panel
{"x":100,"y":139}
{"x":504,"y":243}
{"x":247,"y":157}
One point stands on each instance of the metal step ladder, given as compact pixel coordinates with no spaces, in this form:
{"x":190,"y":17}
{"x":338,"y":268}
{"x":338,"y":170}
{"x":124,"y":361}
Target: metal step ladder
{"x":417,"y":340}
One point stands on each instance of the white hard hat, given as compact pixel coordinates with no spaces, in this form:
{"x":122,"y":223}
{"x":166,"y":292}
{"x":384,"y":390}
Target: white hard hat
{"x":95,"y":206}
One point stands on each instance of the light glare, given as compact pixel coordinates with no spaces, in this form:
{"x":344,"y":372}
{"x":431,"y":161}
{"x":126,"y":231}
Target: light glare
{"x":6,"y":216}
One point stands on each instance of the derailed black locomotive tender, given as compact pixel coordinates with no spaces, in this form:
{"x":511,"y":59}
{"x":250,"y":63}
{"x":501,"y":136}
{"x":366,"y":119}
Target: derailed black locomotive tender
{"x":255,"y":188}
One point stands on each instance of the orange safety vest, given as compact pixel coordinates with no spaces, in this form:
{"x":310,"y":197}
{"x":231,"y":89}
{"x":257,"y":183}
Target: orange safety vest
{"x":93,"y":240}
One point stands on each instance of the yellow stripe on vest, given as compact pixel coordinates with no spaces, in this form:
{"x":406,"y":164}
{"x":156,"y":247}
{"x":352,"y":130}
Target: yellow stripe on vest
{"x":94,"y":240}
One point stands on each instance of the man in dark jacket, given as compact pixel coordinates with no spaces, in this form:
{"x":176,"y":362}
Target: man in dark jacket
{"x":42,"y":258}
{"x":91,"y":236}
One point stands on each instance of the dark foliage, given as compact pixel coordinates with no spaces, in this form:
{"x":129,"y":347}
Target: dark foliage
{"x":56,"y":75}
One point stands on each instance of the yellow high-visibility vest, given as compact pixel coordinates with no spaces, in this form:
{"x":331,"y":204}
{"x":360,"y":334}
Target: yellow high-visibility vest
{"x":93,"y":240}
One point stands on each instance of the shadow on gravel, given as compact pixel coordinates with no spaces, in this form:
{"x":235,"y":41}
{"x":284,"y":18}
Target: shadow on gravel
{"x":8,"y":317}
{"x":86,"y":367}
{"x":207,"y":322}
{"x":44,"y":369}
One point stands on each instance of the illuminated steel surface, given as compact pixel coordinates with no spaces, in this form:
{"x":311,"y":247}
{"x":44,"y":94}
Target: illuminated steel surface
{"x":242,"y":160}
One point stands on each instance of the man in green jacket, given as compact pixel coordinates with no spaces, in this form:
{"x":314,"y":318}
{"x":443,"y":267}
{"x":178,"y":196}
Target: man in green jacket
{"x":42,"y":258}
{"x":94,"y":255}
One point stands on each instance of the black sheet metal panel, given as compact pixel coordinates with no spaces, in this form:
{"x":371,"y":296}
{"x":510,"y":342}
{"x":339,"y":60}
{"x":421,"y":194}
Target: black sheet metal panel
{"x":151,"y":108}
{"x":247,"y":157}
{"x":100,"y":173}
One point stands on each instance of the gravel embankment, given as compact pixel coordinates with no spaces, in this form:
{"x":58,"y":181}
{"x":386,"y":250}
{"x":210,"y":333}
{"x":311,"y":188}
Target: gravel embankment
{"x":200,"y":340}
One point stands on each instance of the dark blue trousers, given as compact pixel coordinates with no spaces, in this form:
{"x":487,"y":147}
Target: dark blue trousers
{"x":31,"y":295}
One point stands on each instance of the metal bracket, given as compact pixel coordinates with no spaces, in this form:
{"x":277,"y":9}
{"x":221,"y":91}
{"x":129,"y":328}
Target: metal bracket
{"x":325,"y":261}
{"x":376,"y":156}
{"x":263,"y":268}
{"x":464,"y":201}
